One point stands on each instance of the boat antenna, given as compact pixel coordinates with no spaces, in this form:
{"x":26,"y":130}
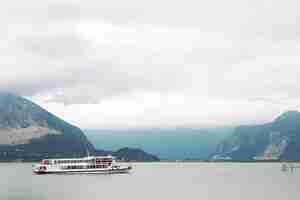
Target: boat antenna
{"x":87,"y":152}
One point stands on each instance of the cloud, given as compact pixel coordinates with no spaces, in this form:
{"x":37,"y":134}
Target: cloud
{"x":218,"y":59}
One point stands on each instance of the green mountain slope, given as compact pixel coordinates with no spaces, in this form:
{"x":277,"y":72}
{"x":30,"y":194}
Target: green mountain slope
{"x":278,"y":140}
{"x":27,"y":131}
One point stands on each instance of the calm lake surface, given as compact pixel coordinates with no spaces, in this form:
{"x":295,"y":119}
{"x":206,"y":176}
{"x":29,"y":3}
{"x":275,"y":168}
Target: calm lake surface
{"x":149,"y":181}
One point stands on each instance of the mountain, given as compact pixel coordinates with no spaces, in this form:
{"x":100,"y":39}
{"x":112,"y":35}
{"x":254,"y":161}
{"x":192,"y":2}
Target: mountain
{"x":29,"y":132}
{"x":131,"y":154}
{"x":167,"y":143}
{"x":278,"y":140}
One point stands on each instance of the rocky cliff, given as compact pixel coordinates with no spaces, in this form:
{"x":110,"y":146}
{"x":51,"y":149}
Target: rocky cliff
{"x":278,"y":140}
{"x":27,"y":131}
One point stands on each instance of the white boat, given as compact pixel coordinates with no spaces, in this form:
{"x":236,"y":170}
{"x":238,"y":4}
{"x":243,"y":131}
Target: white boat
{"x":86,"y":165}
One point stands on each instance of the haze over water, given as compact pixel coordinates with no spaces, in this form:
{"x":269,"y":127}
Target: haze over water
{"x":151,"y":181}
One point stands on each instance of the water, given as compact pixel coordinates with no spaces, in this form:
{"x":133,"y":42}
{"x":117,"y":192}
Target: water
{"x":149,"y":181}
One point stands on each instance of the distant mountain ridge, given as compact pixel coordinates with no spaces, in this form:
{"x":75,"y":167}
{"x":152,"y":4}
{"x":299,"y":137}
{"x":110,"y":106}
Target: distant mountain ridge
{"x":29,"y":132}
{"x":278,"y":140}
{"x":167,"y":143}
{"x":130,"y":154}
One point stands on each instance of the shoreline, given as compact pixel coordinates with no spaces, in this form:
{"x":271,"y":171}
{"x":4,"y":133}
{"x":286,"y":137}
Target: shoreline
{"x":171,"y":161}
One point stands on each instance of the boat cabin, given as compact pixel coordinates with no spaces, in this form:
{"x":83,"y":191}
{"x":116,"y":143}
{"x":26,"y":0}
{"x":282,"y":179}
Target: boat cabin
{"x":106,"y":161}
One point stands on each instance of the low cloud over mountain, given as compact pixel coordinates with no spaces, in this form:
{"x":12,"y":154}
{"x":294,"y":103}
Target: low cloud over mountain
{"x":167,"y":63}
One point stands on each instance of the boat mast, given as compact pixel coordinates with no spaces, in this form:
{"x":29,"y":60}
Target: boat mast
{"x":87,"y":152}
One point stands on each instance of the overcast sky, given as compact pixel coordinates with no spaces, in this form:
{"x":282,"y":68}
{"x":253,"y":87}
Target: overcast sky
{"x":158,"y":63}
